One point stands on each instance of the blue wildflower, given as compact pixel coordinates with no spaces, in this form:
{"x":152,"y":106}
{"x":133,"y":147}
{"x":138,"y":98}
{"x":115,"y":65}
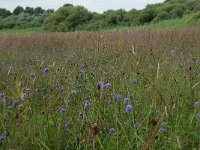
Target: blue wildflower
{"x":1,"y":95}
{"x":23,"y":96}
{"x":87,"y":105}
{"x":134,"y":81}
{"x":126,"y":100}
{"x":32,"y":75}
{"x":2,"y":138}
{"x":63,"y":110}
{"x":100,"y":85}
{"x":119,"y":97}
{"x":129,"y":108}
{"x":109,"y":102}
{"x":196,"y":104}
{"x":164,"y":130}
{"x":46,"y":70}
{"x":10,"y":108}
{"x":15,"y":103}
{"x":81,"y":114}
{"x":66,"y":127}
{"x":81,"y":71}
{"x":73,"y":92}
{"x":112,"y":130}
{"x":164,"y":124}
{"x":107,"y":85}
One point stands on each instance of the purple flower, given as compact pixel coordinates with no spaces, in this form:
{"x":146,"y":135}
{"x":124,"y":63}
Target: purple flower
{"x":119,"y":97}
{"x":164,"y":124}
{"x":87,"y":105}
{"x":2,"y":138}
{"x":129,"y":108}
{"x":15,"y":103}
{"x":126,"y":100}
{"x":112,"y":94}
{"x":164,"y":130}
{"x":81,"y":114}
{"x":134,"y":81}
{"x":32,"y":75}
{"x":73,"y":92}
{"x":112,"y":130}
{"x":196,"y":104}
{"x":63,"y":110}
{"x":66,"y":127}
{"x":9,"y":108}
{"x":1,"y":95}
{"x":100,"y":85}
{"x":109,"y":102}
{"x":107,"y":85}
{"x":23,"y":96}
{"x":197,"y":115}
{"x":81,"y":71}
{"x":46,"y":70}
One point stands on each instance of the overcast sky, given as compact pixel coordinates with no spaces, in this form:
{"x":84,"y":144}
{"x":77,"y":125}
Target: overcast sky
{"x":92,"y":5}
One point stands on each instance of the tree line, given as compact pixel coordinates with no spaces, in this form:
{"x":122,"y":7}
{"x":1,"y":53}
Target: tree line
{"x":72,"y":18}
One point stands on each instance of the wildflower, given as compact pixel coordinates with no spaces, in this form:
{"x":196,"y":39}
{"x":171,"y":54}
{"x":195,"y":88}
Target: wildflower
{"x":81,"y":114}
{"x":15,"y":103}
{"x":126,"y":100}
{"x":87,"y":105}
{"x":196,"y":104}
{"x":112,"y":130}
{"x":129,"y":108}
{"x":66,"y":127}
{"x":164,"y":130}
{"x":1,"y":95}
{"x":100,"y":85}
{"x":107,"y":85}
{"x":46,"y":70}
{"x":134,"y":81}
{"x":73,"y":92}
{"x":81,"y":71}
{"x":63,"y":110}
{"x":112,"y":94}
{"x":23,"y":96}
{"x":32,"y":75}
{"x":2,"y":138}
{"x":110,"y":102}
{"x":197,"y":115}
{"x":9,"y":108}
{"x":164,"y":124}
{"x":119,"y":97}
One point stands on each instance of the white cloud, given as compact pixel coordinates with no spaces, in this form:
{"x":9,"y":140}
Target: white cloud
{"x":92,"y":5}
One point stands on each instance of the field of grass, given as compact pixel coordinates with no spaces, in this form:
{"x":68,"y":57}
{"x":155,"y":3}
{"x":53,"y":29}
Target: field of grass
{"x":106,"y":90}
{"x":22,"y":31}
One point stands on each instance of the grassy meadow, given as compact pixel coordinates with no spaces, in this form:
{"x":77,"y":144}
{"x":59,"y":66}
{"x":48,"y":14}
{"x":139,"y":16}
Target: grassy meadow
{"x":100,"y":90}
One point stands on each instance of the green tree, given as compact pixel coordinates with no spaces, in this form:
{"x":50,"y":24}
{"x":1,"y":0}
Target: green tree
{"x":29,"y":10}
{"x":18,"y":10}
{"x":38,"y":11}
{"x":4,"y":13}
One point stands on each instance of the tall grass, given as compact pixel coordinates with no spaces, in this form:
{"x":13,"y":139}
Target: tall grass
{"x":160,"y":80}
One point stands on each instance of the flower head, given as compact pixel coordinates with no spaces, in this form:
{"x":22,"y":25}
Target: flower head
{"x":1,"y":95}
{"x":2,"y":138}
{"x":196,"y":104}
{"x":126,"y":100}
{"x":10,"y":108}
{"x":109,"y":102}
{"x":73,"y":92}
{"x":100,"y":85}
{"x":23,"y":96}
{"x":164,"y":124}
{"x":107,"y":85}
{"x":119,"y":97}
{"x":81,"y":114}
{"x":15,"y":103}
{"x":66,"y":127}
{"x":32,"y":75}
{"x":164,"y":130}
{"x":63,"y":110}
{"x":134,"y":81}
{"x":112,"y":130}
{"x":87,"y":105}
{"x":46,"y":70}
{"x":129,"y":108}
